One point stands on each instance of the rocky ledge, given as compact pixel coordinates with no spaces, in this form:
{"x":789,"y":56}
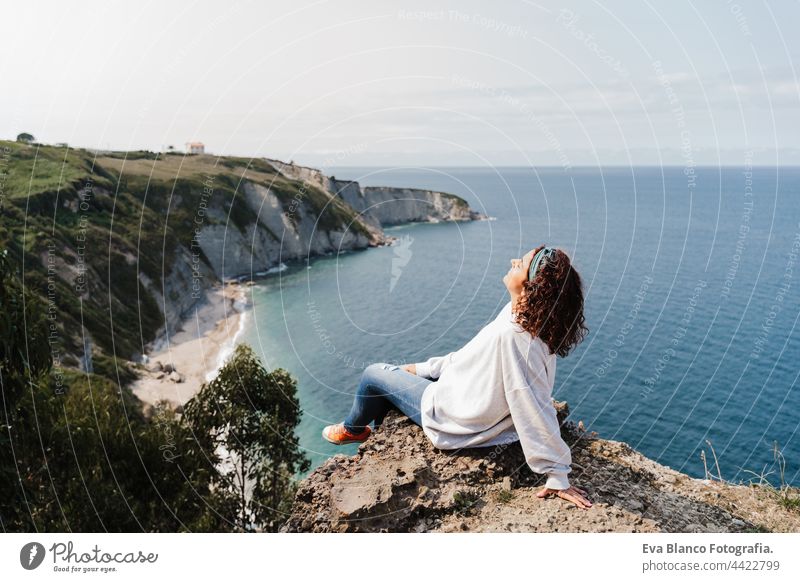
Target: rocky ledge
{"x":398,"y":482}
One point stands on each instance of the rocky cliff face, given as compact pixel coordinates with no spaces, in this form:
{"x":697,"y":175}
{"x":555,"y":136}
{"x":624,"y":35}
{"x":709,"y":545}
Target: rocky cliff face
{"x":291,"y":232}
{"x":386,"y":206}
{"x":183,"y":287}
{"x":381,"y":206}
{"x":398,"y":482}
{"x":277,"y":236}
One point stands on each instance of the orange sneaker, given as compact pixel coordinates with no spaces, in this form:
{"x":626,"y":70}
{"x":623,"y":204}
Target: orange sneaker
{"x":339,"y":435}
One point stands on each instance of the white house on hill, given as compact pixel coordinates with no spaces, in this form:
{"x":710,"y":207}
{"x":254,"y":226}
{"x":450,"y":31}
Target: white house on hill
{"x":195,"y":147}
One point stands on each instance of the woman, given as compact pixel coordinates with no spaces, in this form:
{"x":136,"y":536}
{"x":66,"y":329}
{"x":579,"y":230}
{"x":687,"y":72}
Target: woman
{"x":497,"y":388}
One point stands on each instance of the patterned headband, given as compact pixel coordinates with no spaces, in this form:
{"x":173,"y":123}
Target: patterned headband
{"x":548,"y":253}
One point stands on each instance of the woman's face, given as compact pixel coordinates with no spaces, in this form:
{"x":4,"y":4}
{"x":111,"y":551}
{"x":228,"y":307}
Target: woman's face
{"x":518,"y":273}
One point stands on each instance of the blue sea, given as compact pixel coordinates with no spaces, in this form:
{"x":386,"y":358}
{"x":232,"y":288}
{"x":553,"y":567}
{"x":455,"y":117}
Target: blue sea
{"x":692,"y":287}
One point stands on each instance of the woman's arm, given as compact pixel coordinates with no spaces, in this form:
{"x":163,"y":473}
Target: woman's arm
{"x":432,"y":368}
{"x":528,"y":393}
{"x":545,"y":451}
{"x":536,"y":423}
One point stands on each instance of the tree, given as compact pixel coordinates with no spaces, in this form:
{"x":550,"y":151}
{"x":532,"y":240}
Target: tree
{"x":110,"y":467}
{"x":25,"y":355}
{"x":25,"y":138}
{"x":77,"y":453}
{"x":246,"y":419}
{"x":25,"y":359}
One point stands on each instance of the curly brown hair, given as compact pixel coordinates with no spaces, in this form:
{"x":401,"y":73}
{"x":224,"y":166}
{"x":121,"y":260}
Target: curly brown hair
{"x":551,"y":306}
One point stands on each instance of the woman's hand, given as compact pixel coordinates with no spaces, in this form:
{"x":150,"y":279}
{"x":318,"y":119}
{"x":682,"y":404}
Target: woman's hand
{"x":573,"y":494}
{"x":411,"y":368}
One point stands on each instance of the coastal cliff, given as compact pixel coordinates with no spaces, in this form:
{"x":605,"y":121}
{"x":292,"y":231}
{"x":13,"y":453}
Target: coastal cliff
{"x":381,"y":206}
{"x":398,"y":482}
{"x":124,"y":245}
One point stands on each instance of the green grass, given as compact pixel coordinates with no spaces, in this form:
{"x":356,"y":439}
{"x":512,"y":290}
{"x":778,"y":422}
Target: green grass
{"x":464,"y":501}
{"x":133,"y":155}
{"x":504,"y":496}
{"x":790,"y":502}
{"x":457,"y":200}
{"x":32,"y":169}
{"x":784,"y":495}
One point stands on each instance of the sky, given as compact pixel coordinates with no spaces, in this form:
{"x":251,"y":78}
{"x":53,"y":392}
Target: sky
{"x":353,"y":83}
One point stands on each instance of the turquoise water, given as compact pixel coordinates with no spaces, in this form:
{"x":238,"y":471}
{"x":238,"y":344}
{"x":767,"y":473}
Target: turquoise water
{"x":691,"y":302}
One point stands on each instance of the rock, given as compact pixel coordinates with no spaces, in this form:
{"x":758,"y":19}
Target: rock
{"x":154,"y":367}
{"x":169,"y":368}
{"x":633,"y":505}
{"x":175,"y":377}
{"x":377,"y":489}
{"x":159,"y":375}
{"x":398,"y":482}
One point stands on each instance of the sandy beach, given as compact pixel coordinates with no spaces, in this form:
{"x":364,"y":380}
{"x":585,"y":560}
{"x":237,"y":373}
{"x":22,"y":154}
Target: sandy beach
{"x":179,"y":364}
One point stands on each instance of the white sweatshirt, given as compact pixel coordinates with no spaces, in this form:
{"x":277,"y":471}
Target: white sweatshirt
{"x":496,"y":390}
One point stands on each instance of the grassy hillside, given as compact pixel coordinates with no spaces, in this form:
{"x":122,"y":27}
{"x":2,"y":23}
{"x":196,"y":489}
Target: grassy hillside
{"x":82,"y":227}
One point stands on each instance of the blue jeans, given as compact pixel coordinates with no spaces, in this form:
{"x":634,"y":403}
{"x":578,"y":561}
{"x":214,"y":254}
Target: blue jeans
{"x":382,"y":387}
